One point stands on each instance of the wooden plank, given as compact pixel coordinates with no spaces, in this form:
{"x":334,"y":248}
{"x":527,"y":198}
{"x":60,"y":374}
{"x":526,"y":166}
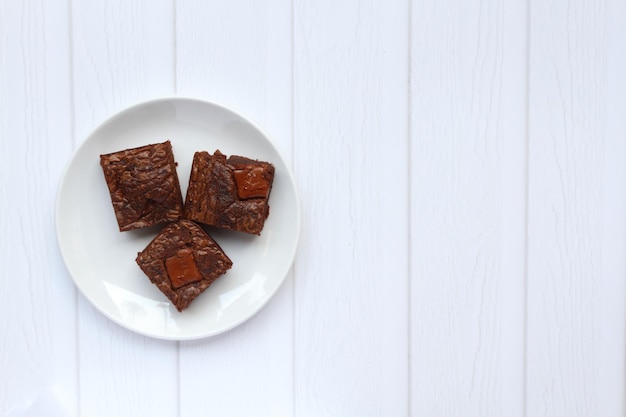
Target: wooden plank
{"x":568,"y":102}
{"x":238,"y":53}
{"x":468,"y":118}
{"x":350,"y":159}
{"x":613,"y":263}
{"x":123,"y":52}
{"x":37,"y":324}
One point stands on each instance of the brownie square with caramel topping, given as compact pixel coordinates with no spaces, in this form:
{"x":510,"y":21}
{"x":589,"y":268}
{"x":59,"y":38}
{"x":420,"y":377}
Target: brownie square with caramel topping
{"x":230,"y":193}
{"x":183,"y":261}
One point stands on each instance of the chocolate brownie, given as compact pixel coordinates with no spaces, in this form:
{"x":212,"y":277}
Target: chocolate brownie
{"x":231,"y":193}
{"x":143,"y":185}
{"x":183,"y":261}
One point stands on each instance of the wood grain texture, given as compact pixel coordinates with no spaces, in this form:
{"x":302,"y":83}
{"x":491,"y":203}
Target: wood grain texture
{"x":37,"y":298}
{"x":123,"y":52}
{"x":235,"y":53}
{"x":238,"y":53}
{"x":350,"y":144}
{"x":613,"y":261}
{"x":567,"y":138}
{"x":246,"y":370}
{"x":468,"y":100}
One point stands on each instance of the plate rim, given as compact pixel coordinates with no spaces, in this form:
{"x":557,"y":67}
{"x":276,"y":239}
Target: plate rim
{"x":291,"y":180}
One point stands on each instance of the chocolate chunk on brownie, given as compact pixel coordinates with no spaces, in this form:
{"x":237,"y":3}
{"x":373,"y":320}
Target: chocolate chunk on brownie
{"x":231,"y":193}
{"x":143,"y":185}
{"x":183,"y":261}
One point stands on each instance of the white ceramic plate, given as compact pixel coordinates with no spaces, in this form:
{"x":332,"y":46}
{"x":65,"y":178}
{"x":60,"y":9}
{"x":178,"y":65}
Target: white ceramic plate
{"x":101,"y":260}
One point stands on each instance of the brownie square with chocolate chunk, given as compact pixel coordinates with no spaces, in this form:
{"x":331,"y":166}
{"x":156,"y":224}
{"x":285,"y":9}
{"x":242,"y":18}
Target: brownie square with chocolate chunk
{"x":183,"y":261}
{"x":231,"y":193}
{"x":143,"y":185}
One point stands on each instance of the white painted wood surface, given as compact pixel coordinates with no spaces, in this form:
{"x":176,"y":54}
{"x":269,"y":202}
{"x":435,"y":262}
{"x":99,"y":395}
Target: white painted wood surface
{"x":38,"y":346}
{"x":568,"y":88}
{"x":468,"y":118}
{"x":350,"y":342}
{"x":462,"y":170}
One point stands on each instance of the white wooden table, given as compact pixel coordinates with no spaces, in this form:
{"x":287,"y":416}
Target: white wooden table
{"x":462,"y":170}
